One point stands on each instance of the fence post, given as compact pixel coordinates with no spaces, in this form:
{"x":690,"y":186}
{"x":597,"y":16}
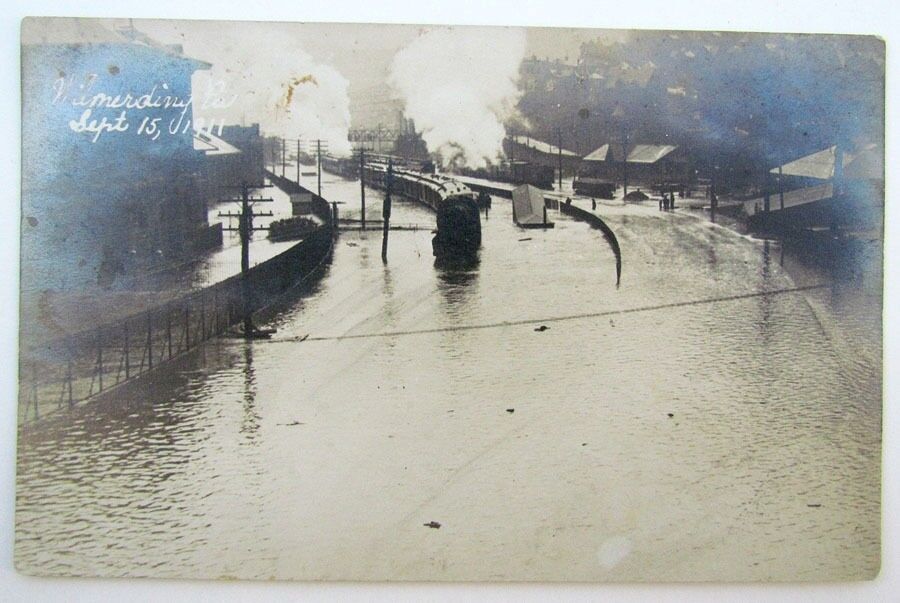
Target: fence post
{"x":149,"y":341}
{"x":99,"y":360}
{"x":169,"y":331}
{"x":69,"y":377}
{"x":187,"y":327}
{"x":217,"y":326}
{"x":202,"y":316}
{"x":34,"y":389}
{"x":127,"y":357}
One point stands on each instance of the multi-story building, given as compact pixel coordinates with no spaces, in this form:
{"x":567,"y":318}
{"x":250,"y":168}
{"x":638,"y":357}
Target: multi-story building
{"x":111,"y":175}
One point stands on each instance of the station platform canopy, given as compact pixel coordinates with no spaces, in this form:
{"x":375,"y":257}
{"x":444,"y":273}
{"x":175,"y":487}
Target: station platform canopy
{"x":639,"y":153}
{"x":649,"y":153}
{"x":542,"y":147}
{"x":867,"y":163}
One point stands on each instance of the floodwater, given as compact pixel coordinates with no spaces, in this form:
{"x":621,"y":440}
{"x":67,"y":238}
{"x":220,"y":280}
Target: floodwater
{"x":706,"y":420}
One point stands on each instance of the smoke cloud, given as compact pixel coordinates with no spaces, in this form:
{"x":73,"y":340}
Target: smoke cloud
{"x":261,"y":74}
{"x":460,"y":85}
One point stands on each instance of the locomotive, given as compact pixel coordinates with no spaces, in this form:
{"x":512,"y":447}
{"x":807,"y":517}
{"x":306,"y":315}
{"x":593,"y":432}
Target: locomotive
{"x":458,"y":233}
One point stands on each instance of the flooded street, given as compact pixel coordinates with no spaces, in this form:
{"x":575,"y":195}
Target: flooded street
{"x":716,"y":416}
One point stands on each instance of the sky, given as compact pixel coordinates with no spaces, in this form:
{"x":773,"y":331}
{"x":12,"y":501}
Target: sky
{"x":361,"y":53}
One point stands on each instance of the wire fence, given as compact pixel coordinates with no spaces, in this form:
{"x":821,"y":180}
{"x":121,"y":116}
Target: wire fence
{"x":60,"y":373}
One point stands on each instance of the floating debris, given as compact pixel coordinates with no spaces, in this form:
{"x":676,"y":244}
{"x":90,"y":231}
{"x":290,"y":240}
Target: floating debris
{"x":510,"y":410}
{"x":814,"y":505}
{"x":432,"y":524}
{"x":542,"y":328}
{"x":671,"y":414}
{"x":292,"y":424}
{"x":525,"y":239}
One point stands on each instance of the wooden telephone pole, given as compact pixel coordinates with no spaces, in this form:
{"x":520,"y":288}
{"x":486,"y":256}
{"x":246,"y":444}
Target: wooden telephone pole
{"x":559,"y":154}
{"x":319,"y":148}
{"x":245,"y":228}
{"x":362,"y":186}
{"x":386,"y":209}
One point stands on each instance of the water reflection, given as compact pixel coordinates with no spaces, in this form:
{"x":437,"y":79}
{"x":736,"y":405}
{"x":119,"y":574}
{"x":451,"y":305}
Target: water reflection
{"x":458,"y":285}
{"x":250,"y":422}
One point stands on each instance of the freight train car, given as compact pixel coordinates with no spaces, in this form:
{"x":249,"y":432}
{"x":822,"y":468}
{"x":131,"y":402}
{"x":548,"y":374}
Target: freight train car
{"x":458,"y":233}
{"x":515,"y":172}
{"x":594,"y":187}
{"x":346,"y":167}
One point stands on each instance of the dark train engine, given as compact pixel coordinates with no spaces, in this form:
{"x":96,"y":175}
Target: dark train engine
{"x":458,"y":228}
{"x":458,"y":232}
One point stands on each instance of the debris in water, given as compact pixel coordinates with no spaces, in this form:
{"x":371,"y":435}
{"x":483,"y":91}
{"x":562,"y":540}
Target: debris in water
{"x":814,"y":505}
{"x":432,"y":524}
{"x":542,"y":328}
{"x":525,"y":239}
{"x":352,"y":244}
{"x":292,"y":424}
{"x":510,"y":410}
{"x":584,"y":443}
{"x":671,"y":414}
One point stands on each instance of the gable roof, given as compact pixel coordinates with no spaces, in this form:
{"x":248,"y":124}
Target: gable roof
{"x":543,"y":147}
{"x":649,"y":153}
{"x":867,"y":163}
{"x":600,"y":154}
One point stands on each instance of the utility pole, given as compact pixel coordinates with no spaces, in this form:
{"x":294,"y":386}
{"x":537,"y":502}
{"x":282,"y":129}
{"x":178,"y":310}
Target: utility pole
{"x":319,"y":149}
{"x":559,"y":153}
{"x":245,"y":229}
{"x":624,"y":162}
{"x":781,"y":186}
{"x":838,"y":175}
{"x":386,"y":210}
{"x":362,"y":186}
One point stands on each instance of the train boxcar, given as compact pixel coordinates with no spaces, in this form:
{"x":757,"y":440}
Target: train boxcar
{"x":515,"y":172}
{"x":346,"y":167}
{"x":594,"y":187}
{"x":458,"y":233}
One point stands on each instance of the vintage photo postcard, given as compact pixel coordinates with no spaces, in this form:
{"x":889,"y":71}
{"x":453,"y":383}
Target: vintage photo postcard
{"x":437,"y":303}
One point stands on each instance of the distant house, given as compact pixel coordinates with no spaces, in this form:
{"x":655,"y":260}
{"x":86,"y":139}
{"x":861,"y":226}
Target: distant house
{"x":110,"y":170}
{"x":649,"y":165}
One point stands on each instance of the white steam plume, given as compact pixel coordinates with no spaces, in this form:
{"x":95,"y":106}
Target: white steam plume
{"x":459,"y":85}
{"x":272,"y":79}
